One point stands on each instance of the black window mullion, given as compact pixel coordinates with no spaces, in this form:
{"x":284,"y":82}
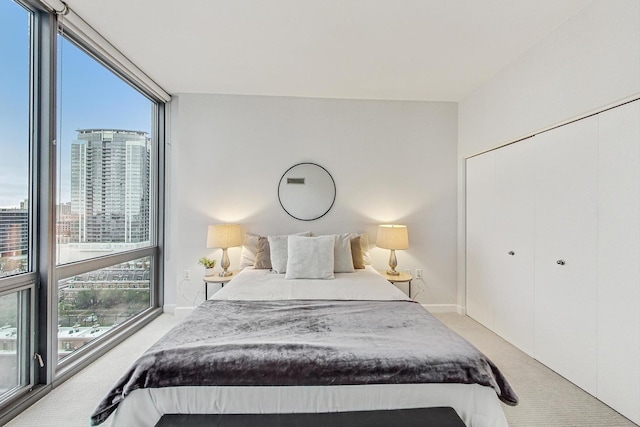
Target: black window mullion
{"x":44,"y":188}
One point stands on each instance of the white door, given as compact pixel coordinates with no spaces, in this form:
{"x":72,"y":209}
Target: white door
{"x":619,"y":260}
{"x":566,"y":251}
{"x":514,"y":210}
{"x":480,"y":238}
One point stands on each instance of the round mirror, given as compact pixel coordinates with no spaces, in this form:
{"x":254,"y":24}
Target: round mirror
{"x":306,"y":191}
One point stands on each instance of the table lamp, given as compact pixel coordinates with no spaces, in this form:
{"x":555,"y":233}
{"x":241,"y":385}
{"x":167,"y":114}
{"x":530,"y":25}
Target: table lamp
{"x":392,"y":236}
{"x":224,"y":236}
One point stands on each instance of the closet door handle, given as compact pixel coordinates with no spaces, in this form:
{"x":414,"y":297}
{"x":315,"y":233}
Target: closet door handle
{"x":511,"y":253}
{"x":560,"y":262}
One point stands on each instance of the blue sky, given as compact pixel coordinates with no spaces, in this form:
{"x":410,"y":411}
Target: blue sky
{"x":91,"y":97}
{"x":14,"y":104}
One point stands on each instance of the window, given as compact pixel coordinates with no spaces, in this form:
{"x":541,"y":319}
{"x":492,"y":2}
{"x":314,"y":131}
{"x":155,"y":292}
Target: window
{"x":89,"y":305}
{"x":16,"y":255}
{"x":14,"y":138}
{"x":104,"y":160}
{"x":14,"y":342}
{"x":105,"y":156}
{"x":80,"y":186}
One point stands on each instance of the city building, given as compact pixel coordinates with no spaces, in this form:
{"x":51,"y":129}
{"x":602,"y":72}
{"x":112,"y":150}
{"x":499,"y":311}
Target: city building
{"x":65,"y":221}
{"x":14,"y":232}
{"x":110,"y":186}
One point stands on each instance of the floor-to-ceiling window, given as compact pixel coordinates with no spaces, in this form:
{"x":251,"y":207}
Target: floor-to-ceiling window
{"x":81,"y":164}
{"x":16,"y":250}
{"x":106,"y":153}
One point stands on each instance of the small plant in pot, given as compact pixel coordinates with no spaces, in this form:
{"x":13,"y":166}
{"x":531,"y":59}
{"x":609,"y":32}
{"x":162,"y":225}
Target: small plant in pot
{"x":208,"y":264}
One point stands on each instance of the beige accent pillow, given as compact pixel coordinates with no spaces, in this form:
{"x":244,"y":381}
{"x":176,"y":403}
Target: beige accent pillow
{"x":263,"y":255}
{"x":356,"y":253}
{"x":364,"y":244}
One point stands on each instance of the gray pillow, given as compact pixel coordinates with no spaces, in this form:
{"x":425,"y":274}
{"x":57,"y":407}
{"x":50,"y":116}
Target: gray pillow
{"x":310,"y":257}
{"x":342,"y":258}
{"x":278,"y":249}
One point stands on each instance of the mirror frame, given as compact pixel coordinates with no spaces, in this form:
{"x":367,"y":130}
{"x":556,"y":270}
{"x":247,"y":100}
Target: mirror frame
{"x":283,"y":204}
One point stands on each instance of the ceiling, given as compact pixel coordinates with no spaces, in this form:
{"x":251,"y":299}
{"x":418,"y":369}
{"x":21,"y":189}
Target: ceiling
{"x":437,"y":50}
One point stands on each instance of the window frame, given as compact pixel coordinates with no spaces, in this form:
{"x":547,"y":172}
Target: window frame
{"x":41,"y":281}
{"x":90,"y":351}
{"x":27,"y":342}
{"x":25,"y":283}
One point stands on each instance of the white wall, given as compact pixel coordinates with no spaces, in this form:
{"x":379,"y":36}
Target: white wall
{"x":590,"y":62}
{"x":391,"y":161}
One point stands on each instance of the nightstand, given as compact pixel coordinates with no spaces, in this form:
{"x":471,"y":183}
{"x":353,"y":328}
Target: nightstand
{"x":400,"y":278}
{"x":216,"y":279}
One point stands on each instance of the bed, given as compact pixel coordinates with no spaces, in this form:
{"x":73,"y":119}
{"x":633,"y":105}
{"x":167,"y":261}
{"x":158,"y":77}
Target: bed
{"x":295,"y":323}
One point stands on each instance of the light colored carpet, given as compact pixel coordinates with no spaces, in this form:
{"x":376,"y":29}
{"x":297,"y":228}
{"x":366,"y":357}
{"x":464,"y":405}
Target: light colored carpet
{"x":546,"y":399}
{"x":72,"y":403}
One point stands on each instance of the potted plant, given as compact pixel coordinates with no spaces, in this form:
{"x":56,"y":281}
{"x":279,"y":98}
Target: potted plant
{"x":208,"y":264}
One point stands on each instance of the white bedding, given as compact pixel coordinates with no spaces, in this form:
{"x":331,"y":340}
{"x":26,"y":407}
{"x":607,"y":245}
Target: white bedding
{"x":478,"y":406}
{"x":365,"y":284}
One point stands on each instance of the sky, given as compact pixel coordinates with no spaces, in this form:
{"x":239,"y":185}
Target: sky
{"x":89,"y":96}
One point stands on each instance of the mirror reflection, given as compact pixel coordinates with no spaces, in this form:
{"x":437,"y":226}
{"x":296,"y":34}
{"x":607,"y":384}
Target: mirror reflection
{"x":307,"y":191}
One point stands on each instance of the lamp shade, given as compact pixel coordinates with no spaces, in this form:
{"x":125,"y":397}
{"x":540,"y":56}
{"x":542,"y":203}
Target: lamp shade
{"x":224,"y":236}
{"x":392,"y":236}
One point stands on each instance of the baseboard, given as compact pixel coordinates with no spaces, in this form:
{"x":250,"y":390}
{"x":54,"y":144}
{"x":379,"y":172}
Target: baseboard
{"x":169,"y":308}
{"x":444,"y":308}
{"x":182,"y":312}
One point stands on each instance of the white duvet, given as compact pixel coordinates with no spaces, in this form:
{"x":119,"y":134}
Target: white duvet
{"x":365,"y":284}
{"x":478,"y":406}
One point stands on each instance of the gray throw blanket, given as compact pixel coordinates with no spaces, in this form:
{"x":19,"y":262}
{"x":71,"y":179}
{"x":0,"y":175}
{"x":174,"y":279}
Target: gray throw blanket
{"x":303,"y":342}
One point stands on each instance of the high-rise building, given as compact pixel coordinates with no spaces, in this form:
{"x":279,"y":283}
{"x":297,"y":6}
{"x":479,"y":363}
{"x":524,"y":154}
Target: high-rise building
{"x":110,"y":186}
{"x":65,"y":221}
{"x":14,"y":232}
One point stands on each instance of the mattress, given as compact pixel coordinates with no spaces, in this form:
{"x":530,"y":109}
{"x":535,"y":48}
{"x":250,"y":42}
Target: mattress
{"x":477,"y":406}
{"x":260,"y":285}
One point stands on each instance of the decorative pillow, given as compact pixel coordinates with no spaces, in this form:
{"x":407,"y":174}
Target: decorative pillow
{"x":249,"y":250}
{"x":356,"y":253}
{"x":342,"y":258}
{"x":263,"y":255}
{"x":364,"y":243}
{"x":278,"y":248}
{"x":310,"y":257}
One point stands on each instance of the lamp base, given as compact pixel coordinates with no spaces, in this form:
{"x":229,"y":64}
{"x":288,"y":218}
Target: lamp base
{"x":225,"y":263}
{"x":393,"y":262}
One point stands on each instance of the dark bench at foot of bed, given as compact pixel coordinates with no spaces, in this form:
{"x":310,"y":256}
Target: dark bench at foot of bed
{"x":421,"y":417}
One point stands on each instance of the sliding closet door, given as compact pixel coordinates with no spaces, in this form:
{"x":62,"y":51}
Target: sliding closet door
{"x":619,"y":260}
{"x":566,"y":251}
{"x":481,"y":265}
{"x":514,"y":210}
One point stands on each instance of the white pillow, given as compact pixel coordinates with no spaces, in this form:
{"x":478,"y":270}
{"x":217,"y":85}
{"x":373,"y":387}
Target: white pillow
{"x":310,"y":257}
{"x":278,"y":248}
{"x":364,"y":243}
{"x":342,"y":258}
{"x":249,"y":250}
